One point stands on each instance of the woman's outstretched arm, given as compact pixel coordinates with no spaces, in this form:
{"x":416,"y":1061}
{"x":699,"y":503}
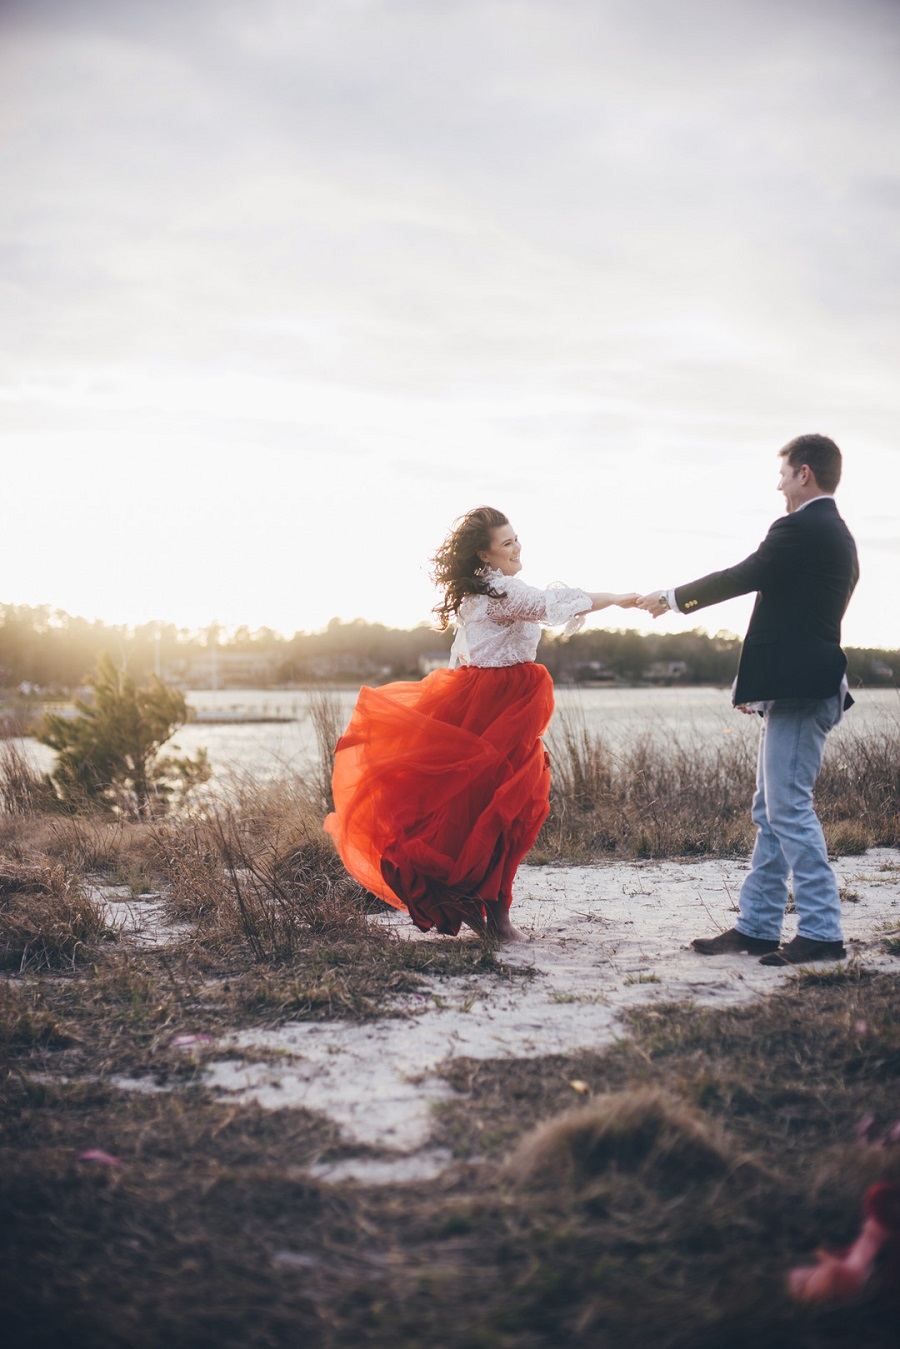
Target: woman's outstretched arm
{"x":603,"y":599}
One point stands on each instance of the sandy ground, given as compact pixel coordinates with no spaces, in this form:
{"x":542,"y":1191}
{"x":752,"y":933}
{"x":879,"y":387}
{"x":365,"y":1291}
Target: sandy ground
{"x":601,"y":940}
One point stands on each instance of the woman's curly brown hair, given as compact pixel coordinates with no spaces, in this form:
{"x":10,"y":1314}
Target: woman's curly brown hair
{"x":456,"y":567}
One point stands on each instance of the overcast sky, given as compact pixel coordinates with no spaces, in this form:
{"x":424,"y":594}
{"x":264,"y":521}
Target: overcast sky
{"x":287,"y":285}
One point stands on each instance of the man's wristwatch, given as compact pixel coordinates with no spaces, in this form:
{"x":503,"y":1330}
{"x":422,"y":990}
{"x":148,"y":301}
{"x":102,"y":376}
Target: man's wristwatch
{"x":663,"y":600}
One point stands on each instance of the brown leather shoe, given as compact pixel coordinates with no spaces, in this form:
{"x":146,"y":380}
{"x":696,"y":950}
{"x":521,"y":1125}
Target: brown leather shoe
{"x":730,"y":942}
{"x":801,"y":950}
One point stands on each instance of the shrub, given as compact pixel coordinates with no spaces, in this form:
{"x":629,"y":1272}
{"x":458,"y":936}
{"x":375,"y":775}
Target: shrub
{"x":108,"y":755}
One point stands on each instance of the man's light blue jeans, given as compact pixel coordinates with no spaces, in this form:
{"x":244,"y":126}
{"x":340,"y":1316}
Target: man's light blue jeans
{"x":789,"y":839}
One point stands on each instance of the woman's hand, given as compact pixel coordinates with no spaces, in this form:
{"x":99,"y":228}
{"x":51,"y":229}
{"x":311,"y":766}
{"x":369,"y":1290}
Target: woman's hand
{"x":603,"y":599}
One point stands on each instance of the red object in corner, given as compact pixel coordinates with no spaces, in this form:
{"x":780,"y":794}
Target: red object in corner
{"x":871,"y":1265}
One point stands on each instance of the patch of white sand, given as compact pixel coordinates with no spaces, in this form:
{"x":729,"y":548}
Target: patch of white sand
{"x":140,"y":920}
{"x":401,"y":1170}
{"x":601,"y":940}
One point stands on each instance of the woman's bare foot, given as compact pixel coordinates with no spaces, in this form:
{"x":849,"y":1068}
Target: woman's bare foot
{"x":509,"y":934}
{"x":498,"y":925}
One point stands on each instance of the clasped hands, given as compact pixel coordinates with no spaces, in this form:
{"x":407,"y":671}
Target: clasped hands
{"x":632,"y":600}
{"x":654,"y":603}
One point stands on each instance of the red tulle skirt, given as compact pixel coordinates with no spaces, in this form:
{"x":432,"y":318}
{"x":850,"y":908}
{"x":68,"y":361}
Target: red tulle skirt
{"x":440,"y":788}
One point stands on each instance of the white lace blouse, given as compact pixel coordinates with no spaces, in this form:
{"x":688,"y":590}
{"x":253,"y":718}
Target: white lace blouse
{"x":506,"y":632}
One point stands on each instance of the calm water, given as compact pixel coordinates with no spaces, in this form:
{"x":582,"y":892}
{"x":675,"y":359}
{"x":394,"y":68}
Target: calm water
{"x":268,"y":750}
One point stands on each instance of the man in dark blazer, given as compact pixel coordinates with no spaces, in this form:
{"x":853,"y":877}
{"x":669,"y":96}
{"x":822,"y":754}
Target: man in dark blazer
{"x":791,"y":671}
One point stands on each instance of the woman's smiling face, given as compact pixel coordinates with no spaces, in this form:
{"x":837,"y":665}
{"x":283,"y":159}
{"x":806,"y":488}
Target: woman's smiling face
{"x":503,"y":554}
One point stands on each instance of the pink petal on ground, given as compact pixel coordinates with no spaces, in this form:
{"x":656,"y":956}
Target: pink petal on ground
{"x":181,"y":1041}
{"x":96,"y":1155}
{"x":893,"y":1133}
{"x":863,"y":1130}
{"x":861,"y":1027}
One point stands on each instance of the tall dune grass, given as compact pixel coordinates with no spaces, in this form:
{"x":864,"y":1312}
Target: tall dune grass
{"x":259,"y":869}
{"x":22,"y":790}
{"x":670,"y":795}
{"x":47,"y":919}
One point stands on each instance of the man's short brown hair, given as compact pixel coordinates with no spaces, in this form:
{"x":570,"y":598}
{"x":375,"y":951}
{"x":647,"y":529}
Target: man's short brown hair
{"x":821,"y":456}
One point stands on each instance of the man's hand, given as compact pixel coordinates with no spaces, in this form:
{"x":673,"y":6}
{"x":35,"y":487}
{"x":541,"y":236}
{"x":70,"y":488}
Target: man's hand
{"x":654,"y":603}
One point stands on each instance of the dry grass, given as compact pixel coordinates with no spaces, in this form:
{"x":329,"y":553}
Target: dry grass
{"x":652,"y":798}
{"x":47,"y":920}
{"x":23,"y":791}
{"x":328,"y":722}
{"x":683,"y":796}
{"x":638,"y":1130}
{"x":858,"y":792}
{"x":259,"y":872}
{"x":88,"y":844}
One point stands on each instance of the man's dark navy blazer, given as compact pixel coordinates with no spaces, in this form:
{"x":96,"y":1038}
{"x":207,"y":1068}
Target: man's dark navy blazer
{"x":805,"y":571}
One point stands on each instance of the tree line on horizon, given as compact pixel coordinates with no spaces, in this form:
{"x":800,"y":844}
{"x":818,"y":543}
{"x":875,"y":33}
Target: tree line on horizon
{"x":49,"y":651}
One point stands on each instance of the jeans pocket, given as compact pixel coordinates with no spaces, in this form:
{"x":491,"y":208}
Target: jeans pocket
{"x":828,"y":712}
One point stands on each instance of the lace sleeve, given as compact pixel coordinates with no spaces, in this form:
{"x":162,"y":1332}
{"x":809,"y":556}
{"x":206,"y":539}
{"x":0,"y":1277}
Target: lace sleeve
{"x":553,"y":607}
{"x":567,"y":606}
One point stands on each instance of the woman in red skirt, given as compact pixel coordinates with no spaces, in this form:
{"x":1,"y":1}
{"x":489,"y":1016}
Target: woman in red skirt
{"x":441,"y":786}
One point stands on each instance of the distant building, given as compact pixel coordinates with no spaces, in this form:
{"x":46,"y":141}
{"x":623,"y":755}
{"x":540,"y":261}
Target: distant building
{"x":665,"y":672}
{"x":588,"y":673}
